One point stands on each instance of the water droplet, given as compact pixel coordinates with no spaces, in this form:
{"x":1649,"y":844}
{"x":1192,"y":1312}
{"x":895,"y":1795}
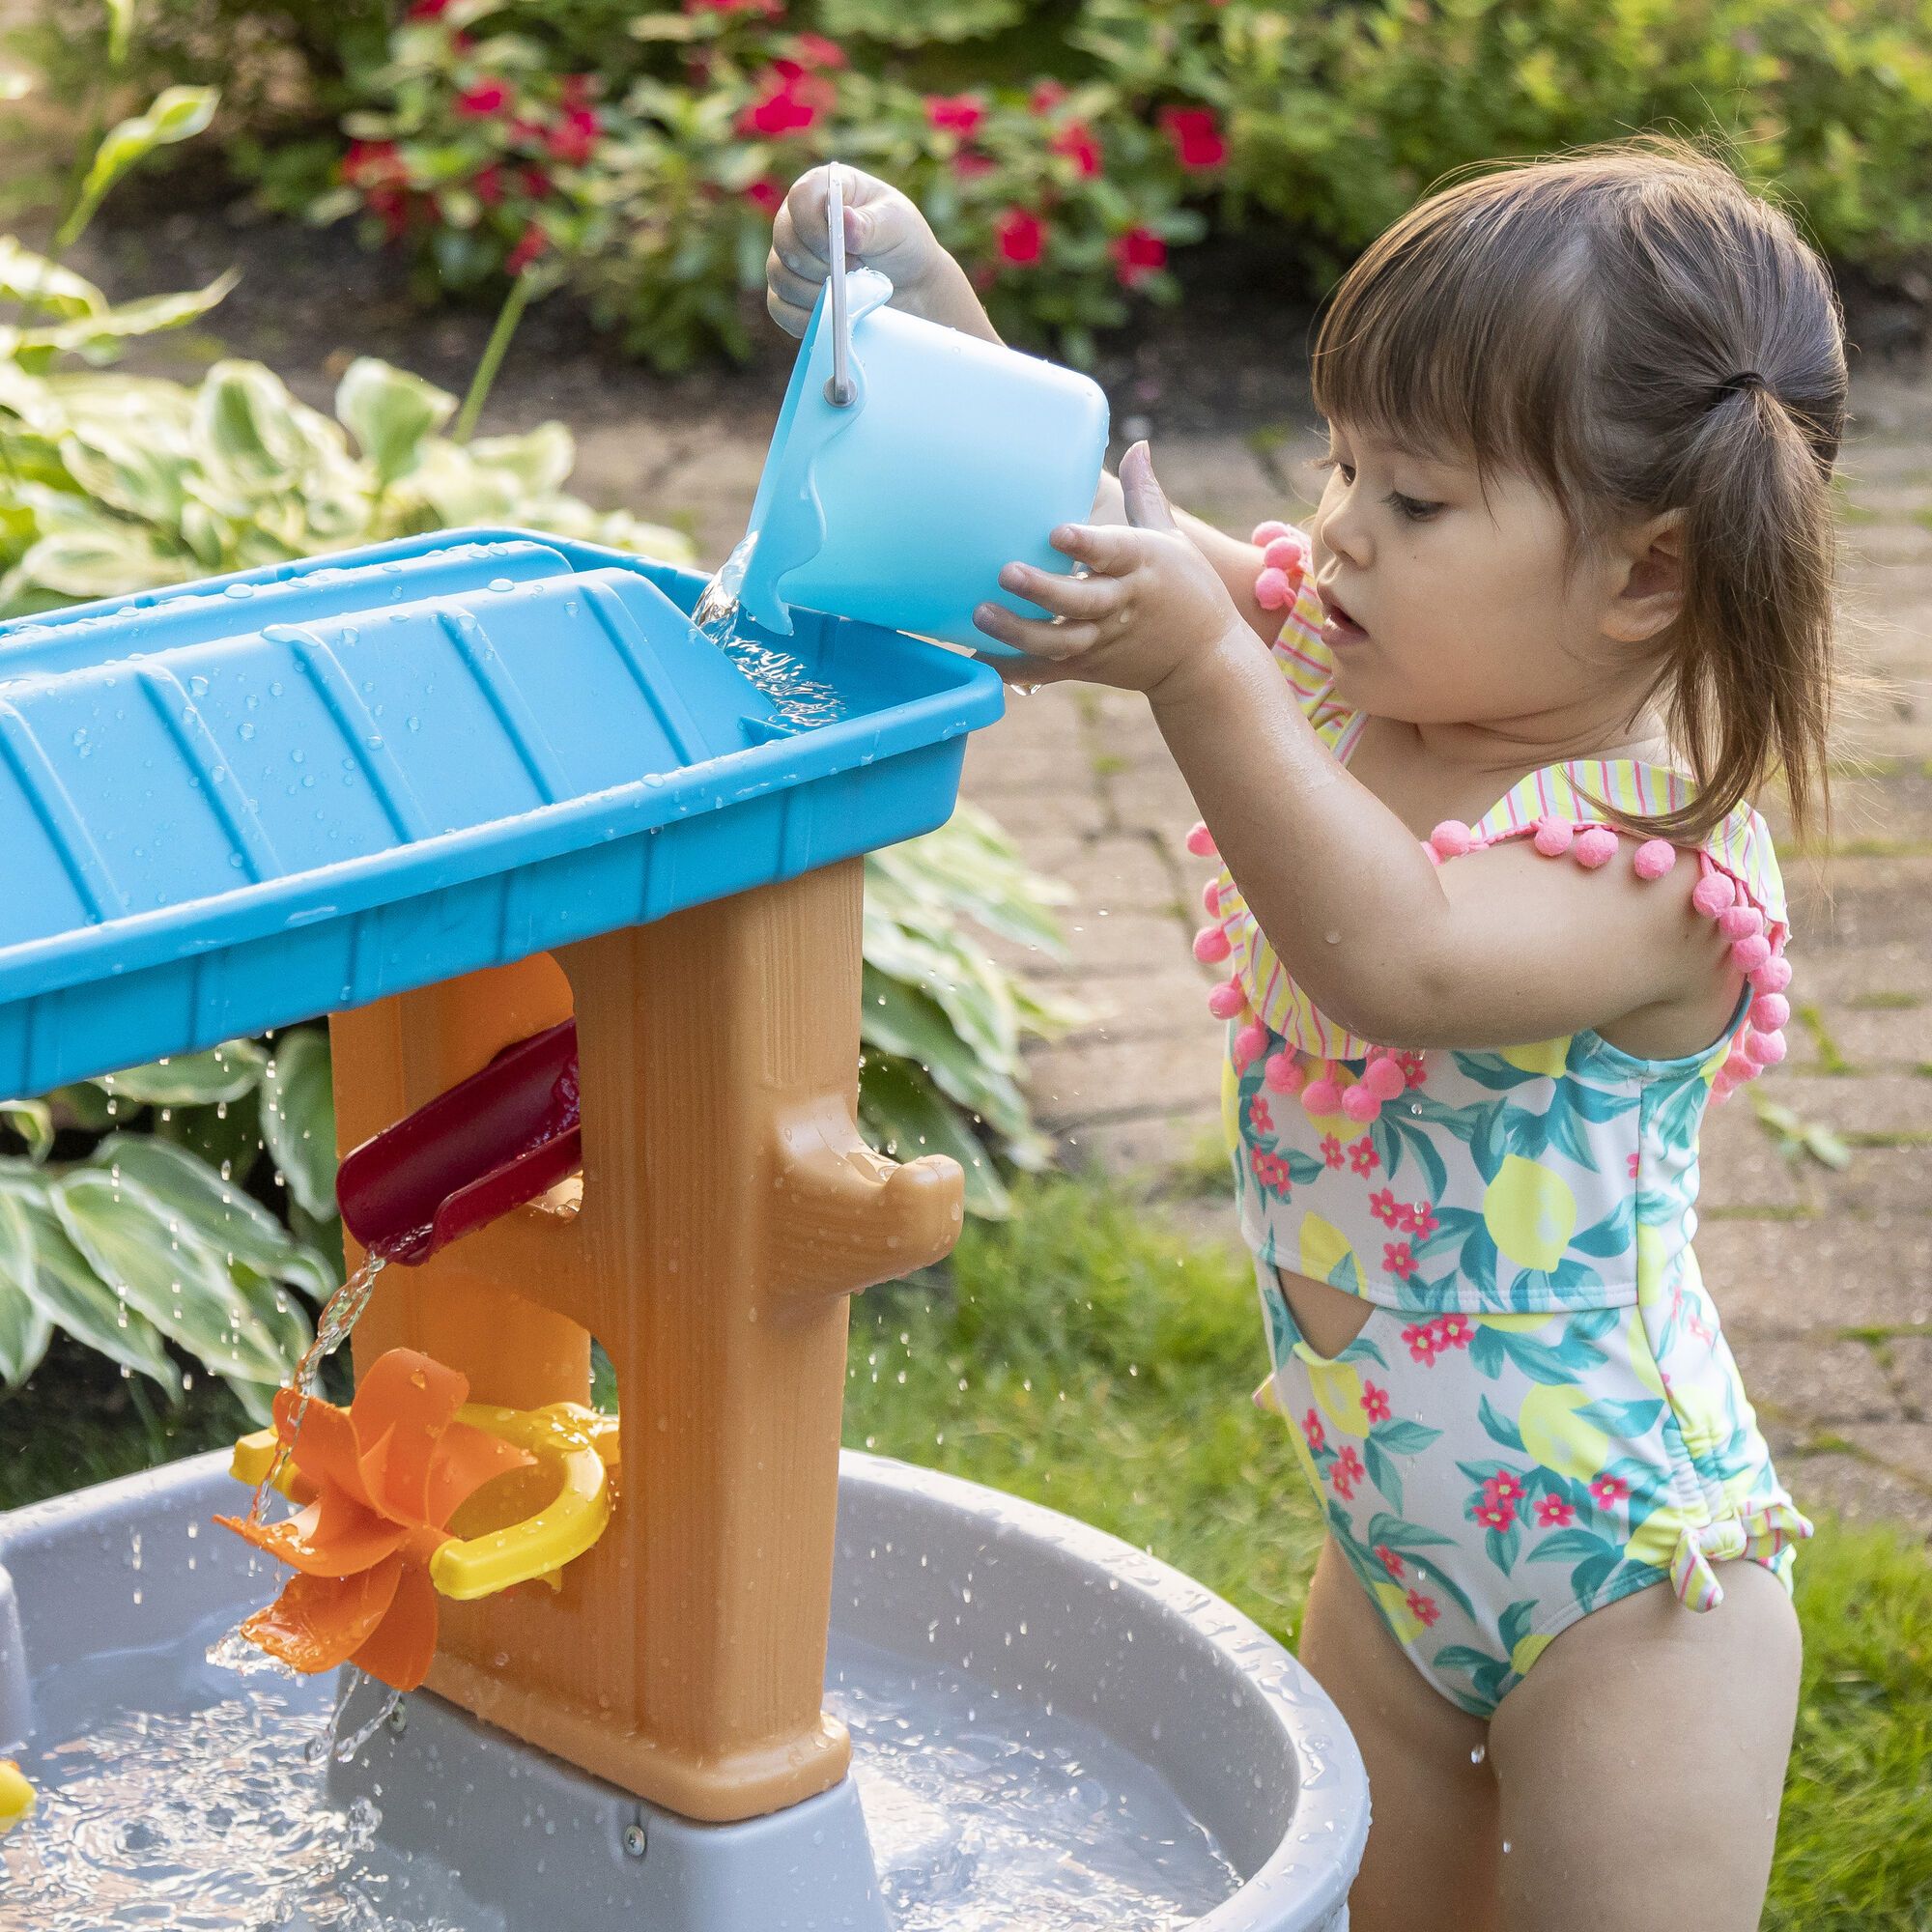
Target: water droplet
{"x":245,"y":729}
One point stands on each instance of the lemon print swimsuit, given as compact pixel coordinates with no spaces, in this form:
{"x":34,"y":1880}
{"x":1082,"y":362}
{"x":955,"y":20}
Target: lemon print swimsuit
{"x":1542,"y":1414}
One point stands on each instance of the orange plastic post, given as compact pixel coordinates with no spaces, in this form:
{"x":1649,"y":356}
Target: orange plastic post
{"x":729,"y":1207}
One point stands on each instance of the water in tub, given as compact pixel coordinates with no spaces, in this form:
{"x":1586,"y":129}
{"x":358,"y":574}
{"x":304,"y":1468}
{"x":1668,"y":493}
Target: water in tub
{"x":174,"y":1793}
{"x":802,"y":699}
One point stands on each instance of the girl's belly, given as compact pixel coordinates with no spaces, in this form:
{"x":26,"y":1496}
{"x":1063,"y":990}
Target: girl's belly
{"x":1329,"y":1317}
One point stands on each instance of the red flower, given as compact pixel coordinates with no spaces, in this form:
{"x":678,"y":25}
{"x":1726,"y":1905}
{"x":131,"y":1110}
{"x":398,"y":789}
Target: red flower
{"x":535,"y":183}
{"x":1398,"y":1260}
{"x":1503,"y":1488}
{"x":1331,"y":1149}
{"x":1424,"y":1608}
{"x":969,"y":164}
{"x":1021,"y":238}
{"x":1076,"y":142}
{"x":392,"y":205}
{"x":1554,"y":1511}
{"x":486,"y":97}
{"x":790,"y":100}
{"x":572,"y":138}
{"x":1313,"y":1432}
{"x":1633,"y":1166}
{"x":427,"y":9}
{"x":1608,"y":1490}
{"x":1415,"y":1068}
{"x":576,"y":90}
{"x":1492,"y":1515}
{"x":1388,"y":1559}
{"x":1197,"y":137}
{"x":1419,"y":1220}
{"x":955,"y":113}
{"x":814,"y":51}
{"x":1453,"y":1331}
{"x":1137,"y":255}
{"x":1345,"y":1472}
{"x":1260,"y":1114}
{"x":373,"y":164}
{"x":1382,"y":1205}
{"x":1271,"y":1171}
{"x":1363,"y":1157}
{"x":1375,"y":1402}
{"x":766,"y":194}
{"x":1046,"y":96}
{"x":533,"y":244}
{"x":1421,"y":1340}
{"x":765,"y":9}
{"x":486,"y":184}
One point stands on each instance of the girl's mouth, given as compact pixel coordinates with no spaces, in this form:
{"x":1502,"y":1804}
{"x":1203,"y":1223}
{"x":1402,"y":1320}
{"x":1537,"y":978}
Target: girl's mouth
{"x":1339,"y":627}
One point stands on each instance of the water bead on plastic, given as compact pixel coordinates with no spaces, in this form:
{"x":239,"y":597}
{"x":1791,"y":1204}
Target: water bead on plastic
{"x":1596,"y":847}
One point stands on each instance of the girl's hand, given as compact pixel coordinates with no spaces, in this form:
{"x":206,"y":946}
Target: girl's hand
{"x":1153,"y":606}
{"x":883,"y":231}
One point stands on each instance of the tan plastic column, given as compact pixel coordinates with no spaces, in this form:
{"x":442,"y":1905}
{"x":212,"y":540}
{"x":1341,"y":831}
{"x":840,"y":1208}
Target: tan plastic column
{"x":728,"y":1208}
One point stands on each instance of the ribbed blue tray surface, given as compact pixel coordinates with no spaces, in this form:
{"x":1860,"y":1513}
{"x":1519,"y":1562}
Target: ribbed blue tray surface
{"x":235,"y":803}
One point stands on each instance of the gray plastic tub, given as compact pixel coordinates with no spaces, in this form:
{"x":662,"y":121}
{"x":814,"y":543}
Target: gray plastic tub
{"x":988,"y":1615}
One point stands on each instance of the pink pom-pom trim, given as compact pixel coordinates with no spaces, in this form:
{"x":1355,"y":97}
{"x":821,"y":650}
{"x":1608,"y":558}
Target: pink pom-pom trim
{"x":1227,"y":1000}
{"x":1713,"y":894}
{"x":1284,"y":553}
{"x":1267,"y":533}
{"x":1752,"y":953}
{"x":1200,"y":840}
{"x":1250,"y":1044}
{"x":1452,"y":838}
{"x":1385,"y":1079}
{"x":1321,"y":1097}
{"x":1769,"y":1012}
{"x":1741,"y":921}
{"x":1284,"y":1073}
{"x":1210,"y":946}
{"x":1211,"y":898}
{"x":1773,"y":976}
{"x":1596,"y":847}
{"x":1360,"y":1105}
{"x":1272,"y":590}
{"x":1740,"y":1067}
{"x":1765,"y":1048}
{"x":1655,"y":856}
{"x":1553,"y":837}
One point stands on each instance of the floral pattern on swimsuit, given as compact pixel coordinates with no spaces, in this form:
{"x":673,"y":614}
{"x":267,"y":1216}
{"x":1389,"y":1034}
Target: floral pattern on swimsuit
{"x":1542,"y":1415}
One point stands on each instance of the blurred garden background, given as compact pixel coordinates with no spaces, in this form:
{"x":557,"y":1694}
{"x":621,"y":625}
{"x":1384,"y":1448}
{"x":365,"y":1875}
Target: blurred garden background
{"x":280,"y":279}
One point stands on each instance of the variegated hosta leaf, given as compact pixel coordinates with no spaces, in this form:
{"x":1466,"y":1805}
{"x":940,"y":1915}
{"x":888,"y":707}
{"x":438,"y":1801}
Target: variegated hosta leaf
{"x":299,"y":1119}
{"x":100,"y":337}
{"x":907,"y":1118}
{"x":37,"y":284}
{"x":539,"y":459}
{"x":178,"y":114}
{"x":391,"y":415}
{"x":254,"y":436}
{"x":24,"y":1328}
{"x":111,"y":559}
{"x":224,"y":1072}
{"x":33,"y":1122}
{"x":139,"y":475}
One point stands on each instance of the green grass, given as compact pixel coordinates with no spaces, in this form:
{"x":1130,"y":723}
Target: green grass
{"x":1090,"y":1358}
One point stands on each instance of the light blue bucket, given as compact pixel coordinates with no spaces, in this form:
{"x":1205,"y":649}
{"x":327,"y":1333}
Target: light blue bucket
{"x":952,"y":457}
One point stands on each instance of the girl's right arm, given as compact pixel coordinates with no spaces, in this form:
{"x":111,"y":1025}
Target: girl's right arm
{"x":883,"y":230}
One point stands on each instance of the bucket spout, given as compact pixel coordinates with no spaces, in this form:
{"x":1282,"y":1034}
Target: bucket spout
{"x":493,"y":1142}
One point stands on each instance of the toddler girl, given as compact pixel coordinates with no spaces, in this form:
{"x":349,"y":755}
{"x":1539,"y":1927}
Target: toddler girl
{"x":1475,"y":754}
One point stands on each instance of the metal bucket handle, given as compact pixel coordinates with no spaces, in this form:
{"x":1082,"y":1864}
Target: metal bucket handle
{"x":838,"y":388}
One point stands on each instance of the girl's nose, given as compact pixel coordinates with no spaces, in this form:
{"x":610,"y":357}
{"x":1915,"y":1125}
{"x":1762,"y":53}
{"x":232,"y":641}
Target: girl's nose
{"x":1341,"y":530}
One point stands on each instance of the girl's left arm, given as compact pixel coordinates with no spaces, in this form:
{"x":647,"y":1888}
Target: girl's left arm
{"x":1495,"y":949}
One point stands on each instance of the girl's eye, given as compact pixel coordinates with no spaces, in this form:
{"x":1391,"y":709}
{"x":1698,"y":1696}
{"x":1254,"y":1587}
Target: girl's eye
{"x":1347,"y":470}
{"x":1409,"y":509}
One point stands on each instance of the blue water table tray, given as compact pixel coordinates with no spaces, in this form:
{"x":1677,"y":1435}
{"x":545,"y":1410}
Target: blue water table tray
{"x":301,"y":788}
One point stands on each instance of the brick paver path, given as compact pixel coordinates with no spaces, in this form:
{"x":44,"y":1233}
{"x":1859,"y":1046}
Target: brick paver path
{"x":1823,"y":1278}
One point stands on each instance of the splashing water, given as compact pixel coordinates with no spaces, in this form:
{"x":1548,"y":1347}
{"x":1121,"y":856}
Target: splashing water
{"x":801,"y":699}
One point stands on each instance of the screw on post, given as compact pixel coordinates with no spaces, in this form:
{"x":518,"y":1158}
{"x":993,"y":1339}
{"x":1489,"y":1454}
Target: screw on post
{"x":838,"y":390}
{"x":636,"y":1841}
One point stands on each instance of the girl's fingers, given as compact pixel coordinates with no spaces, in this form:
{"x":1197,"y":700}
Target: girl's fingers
{"x":1113,"y":549}
{"x":1027,"y":672}
{"x":1066,"y":596}
{"x":1035,"y":635}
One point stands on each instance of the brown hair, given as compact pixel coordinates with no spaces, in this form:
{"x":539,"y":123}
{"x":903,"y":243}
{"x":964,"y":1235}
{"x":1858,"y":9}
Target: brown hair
{"x":1586,"y":321}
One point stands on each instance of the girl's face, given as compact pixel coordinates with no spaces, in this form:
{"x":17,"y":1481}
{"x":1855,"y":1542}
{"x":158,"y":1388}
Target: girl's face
{"x":1449,"y":605}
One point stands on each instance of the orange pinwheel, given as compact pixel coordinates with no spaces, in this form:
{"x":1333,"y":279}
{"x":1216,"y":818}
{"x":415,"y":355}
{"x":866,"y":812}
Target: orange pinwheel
{"x":381,"y":1479}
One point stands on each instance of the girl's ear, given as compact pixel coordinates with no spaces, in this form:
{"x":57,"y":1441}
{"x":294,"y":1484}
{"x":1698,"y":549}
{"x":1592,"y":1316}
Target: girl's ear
{"x":1647,"y":579}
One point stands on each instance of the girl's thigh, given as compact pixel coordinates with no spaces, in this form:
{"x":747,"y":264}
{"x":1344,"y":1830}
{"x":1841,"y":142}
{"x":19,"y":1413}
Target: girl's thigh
{"x":1430,"y":1863}
{"x":1642,"y":1763}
